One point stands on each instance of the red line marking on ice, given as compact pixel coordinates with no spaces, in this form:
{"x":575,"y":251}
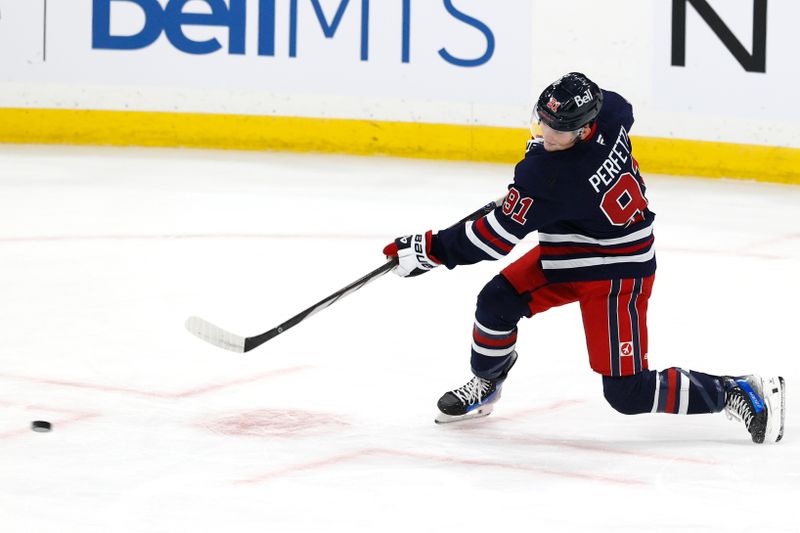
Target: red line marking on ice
{"x":564,"y":443}
{"x":517,"y":466}
{"x":322,"y":463}
{"x":217,"y":386}
{"x":38,"y":407}
{"x":559,"y":443}
{"x":541,"y":409}
{"x":153,"y":394}
{"x":371,"y":452}
{"x":271,"y":423}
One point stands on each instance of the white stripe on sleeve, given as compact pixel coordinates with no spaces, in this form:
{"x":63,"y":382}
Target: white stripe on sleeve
{"x":475,"y":240}
{"x":500,"y":230}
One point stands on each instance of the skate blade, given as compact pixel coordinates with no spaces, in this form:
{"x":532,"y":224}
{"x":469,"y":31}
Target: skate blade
{"x":484,"y":410}
{"x":775,"y":396}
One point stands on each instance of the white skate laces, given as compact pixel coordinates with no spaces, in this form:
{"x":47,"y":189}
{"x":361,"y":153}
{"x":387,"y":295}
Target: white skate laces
{"x":745,"y":402}
{"x":737,"y":408}
{"x":474,"y":391}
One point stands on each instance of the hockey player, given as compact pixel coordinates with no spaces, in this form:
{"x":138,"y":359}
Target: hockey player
{"x":579,"y":186}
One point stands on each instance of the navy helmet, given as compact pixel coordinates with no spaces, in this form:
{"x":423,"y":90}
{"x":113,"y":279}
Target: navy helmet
{"x":569,"y":103}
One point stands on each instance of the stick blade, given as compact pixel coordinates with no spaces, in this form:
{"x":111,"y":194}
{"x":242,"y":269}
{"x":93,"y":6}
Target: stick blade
{"x":215,"y":335}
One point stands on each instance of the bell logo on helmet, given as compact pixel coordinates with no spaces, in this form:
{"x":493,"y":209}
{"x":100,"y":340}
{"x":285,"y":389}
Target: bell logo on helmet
{"x":585,"y":98}
{"x":553,"y":104}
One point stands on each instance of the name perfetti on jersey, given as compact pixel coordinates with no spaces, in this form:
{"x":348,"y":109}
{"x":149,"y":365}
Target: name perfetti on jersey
{"x":609,"y":171}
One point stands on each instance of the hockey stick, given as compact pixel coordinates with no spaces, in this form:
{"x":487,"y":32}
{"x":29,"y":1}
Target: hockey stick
{"x":235,"y":343}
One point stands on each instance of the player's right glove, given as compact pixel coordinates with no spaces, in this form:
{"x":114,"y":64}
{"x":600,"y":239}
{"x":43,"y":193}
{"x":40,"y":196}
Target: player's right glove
{"x":413,"y":254}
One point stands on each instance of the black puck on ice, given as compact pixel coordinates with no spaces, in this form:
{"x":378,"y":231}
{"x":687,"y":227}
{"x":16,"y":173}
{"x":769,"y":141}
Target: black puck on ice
{"x":42,"y":426}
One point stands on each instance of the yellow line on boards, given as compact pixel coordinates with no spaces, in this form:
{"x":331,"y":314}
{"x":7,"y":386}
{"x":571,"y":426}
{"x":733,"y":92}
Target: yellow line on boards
{"x":404,"y":139}
{"x":718,"y":160}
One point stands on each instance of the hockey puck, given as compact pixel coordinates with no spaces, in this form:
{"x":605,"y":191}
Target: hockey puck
{"x":41,"y":426}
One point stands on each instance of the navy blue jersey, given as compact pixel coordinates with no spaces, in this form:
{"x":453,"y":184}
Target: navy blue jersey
{"x":587,"y":203}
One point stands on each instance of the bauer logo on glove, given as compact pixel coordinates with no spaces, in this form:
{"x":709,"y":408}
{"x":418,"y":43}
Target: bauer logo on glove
{"x":413,"y":254}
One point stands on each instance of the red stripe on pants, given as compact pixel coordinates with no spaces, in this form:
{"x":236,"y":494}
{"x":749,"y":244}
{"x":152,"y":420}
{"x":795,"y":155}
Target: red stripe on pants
{"x":625,"y":349}
{"x":641,"y":308}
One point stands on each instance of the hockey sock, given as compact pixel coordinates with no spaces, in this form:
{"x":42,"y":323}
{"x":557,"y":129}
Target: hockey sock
{"x":494,"y":334}
{"x":673,"y":390}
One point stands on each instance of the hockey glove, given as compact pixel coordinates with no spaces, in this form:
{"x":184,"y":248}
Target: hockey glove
{"x":413,"y":254}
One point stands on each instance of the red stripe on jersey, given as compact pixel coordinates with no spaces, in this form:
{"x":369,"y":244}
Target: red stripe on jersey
{"x":487,"y":235}
{"x":480,"y":339}
{"x":597,"y":250}
{"x":671,"y":407}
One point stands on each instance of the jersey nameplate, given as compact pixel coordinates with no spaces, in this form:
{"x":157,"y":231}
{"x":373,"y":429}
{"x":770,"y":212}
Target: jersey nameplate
{"x":612,"y":165}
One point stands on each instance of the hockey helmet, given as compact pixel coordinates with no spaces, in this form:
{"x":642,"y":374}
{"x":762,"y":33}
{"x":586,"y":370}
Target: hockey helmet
{"x":569,"y":103}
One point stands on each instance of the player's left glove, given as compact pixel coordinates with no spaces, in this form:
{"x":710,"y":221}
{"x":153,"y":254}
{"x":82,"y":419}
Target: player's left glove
{"x":413,"y":254}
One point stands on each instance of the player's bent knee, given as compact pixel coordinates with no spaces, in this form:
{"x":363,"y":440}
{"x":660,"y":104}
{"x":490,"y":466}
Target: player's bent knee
{"x":498,"y":298}
{"x":630,"y":395}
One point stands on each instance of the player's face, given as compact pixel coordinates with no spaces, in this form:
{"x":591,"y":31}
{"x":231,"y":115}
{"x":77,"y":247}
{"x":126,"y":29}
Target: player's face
{"x":555,"y":140}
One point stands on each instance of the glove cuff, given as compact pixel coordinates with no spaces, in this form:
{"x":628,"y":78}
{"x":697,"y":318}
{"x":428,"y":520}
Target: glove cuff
{"x":428,"y":239}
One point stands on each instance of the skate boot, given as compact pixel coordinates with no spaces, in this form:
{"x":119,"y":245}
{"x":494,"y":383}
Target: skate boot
{"x":473,"y":400}
{"x":759,"y":403}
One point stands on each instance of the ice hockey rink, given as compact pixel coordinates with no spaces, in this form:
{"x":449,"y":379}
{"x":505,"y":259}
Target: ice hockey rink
{"x":329,"y":427}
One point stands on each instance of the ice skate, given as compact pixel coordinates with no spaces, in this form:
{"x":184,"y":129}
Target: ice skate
{"x":474,"y":399}
{"x":759,"y":403}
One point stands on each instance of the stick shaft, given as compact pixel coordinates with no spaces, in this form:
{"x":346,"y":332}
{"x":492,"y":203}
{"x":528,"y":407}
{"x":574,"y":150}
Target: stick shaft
{"x":258,"y":340}
{"x":229,"y":341}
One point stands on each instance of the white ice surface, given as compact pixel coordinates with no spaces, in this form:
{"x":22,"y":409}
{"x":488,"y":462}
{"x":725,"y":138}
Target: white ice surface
{"x":329,"y":427}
